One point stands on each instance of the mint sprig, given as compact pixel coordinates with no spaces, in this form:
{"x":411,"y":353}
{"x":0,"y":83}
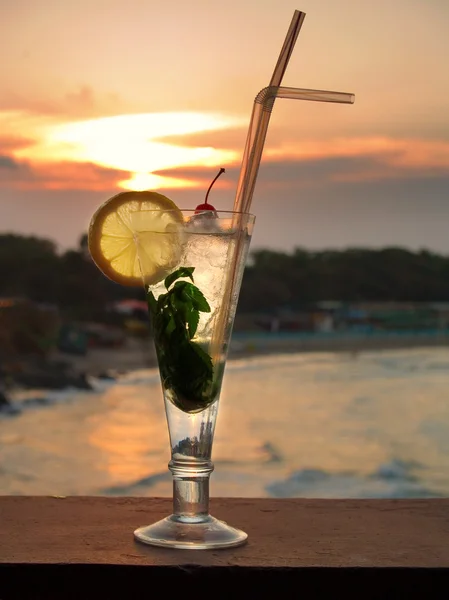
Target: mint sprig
{"x":186,"y":368}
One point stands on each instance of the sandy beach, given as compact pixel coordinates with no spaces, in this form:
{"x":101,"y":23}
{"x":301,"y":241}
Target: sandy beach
{"x":140,"y":354}
{"x":307,"y":424}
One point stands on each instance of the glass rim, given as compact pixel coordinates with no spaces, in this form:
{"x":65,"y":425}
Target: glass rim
{"x":193,"y":210}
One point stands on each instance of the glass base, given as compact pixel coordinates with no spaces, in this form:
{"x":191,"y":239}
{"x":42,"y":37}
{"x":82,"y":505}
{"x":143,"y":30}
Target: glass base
{"x":209,"y":533}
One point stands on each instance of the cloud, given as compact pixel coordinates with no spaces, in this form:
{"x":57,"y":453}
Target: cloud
{"x":120,"y":151}
{"x":226,"y":139}
{"x":315,"y":163}
{"x":406,"y":212}
{"x":81,"y":102}
{"x":85,"y":102}
{"x":398,"y":153}
{"x":9,"y":144}
{"x":121,"y":143}
{"x":6,"y":162}
{"x":370,"y":158}
{"x":58,"y":176}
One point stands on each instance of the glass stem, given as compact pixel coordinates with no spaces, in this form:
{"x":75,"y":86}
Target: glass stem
{"x":191,"y":490}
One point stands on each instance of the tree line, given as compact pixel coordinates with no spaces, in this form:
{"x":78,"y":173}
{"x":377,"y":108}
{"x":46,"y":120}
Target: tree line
{"x":32,"y":268}
{"x":393,"y":274}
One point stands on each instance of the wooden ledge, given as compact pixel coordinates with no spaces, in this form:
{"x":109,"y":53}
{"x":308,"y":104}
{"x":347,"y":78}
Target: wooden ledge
{"x":83,"y":547}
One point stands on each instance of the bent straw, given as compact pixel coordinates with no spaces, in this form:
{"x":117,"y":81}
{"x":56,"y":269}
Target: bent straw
{"x":276,"y":79}
{"x":287,"y":48}
{"x":263,"y":105}
{"x":255,"y":140}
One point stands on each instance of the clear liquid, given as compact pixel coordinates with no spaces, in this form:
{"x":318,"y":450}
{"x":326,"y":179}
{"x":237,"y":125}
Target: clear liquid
{"x":219,"y":260}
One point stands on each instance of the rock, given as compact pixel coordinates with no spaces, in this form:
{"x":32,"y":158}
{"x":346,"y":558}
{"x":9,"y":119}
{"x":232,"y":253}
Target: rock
{"x":52,"y":381}
{"x":37,"y":401}
{"x":46,"y":374}
{"x":106,"y":376}
{"x":81,"y":382}
{"x":6,"y":407}
{"x":3,"y":400}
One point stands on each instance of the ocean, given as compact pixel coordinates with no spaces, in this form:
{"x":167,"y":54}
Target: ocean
{"x":373,"y":424}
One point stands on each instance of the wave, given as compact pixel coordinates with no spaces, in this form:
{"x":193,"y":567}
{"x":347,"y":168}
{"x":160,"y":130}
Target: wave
{"x":257,"y":362}
{"x":133,"y":487}
{"x":396,"y":479}
{"x":24,"y":400}
{"x":140,"y":377}
{"x":398,"y":470}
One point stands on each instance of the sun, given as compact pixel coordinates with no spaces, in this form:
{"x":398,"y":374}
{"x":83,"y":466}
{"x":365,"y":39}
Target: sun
{"x":149,"y":181}
{"x":135,"y":144}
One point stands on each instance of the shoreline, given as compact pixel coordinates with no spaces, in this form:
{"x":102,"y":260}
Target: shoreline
{"x":140,"y":354}
{"x":357,"y":342}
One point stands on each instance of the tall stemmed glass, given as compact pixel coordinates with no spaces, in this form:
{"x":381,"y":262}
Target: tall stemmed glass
{"x":192,"y":312}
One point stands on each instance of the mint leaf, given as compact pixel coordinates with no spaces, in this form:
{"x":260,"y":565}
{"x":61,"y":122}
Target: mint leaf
{"x":171,"y":325}
{"x":193,"y":319}
{"x":192,"y":378}
{"x":192,"y":294}
{"x":181,"y":272}
{"x":203,"y":355}
{"x":186,"y":368}
{"x":161,"y":322}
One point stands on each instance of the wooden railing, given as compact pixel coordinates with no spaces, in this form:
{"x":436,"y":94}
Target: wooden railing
{"x":83,"y":547}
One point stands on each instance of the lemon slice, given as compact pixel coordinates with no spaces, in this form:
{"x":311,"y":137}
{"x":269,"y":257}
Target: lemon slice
{"x":135,"y":234}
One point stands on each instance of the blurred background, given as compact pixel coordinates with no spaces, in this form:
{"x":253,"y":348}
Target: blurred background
{"x":338,"y":374}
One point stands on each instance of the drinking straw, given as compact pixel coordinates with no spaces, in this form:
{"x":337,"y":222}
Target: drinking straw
{"x":276,"y":79}
{"x":287,"y":48}
{"x":263,"y":105}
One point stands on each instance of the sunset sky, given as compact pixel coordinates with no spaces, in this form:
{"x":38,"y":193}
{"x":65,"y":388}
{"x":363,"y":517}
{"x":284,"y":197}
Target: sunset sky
{"x":98,"y":96}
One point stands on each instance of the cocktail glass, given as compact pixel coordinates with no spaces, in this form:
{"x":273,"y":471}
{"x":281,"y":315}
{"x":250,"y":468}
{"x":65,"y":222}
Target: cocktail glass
{"x":192,"y":313}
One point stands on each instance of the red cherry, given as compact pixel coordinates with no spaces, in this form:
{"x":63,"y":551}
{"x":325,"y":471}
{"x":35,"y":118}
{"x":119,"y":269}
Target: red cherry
{"x":206,"y":206}
{"x":203,"y":207}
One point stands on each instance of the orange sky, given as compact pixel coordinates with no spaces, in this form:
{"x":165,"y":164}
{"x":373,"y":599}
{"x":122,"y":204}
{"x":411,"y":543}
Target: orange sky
{"x":97,"y":96}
